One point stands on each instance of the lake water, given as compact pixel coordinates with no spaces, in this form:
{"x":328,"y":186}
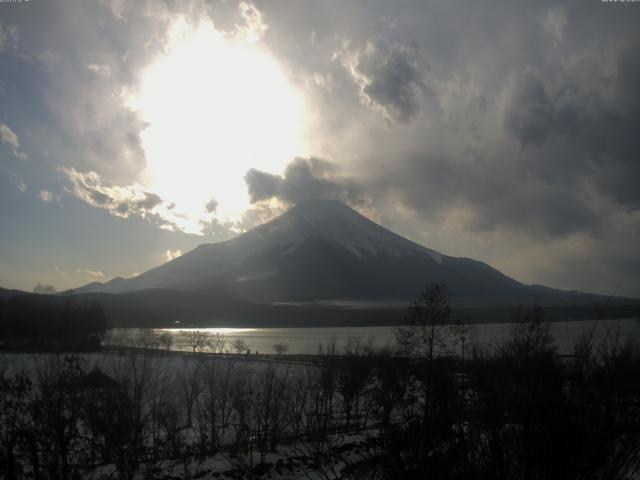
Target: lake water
{"x":307,"y":340}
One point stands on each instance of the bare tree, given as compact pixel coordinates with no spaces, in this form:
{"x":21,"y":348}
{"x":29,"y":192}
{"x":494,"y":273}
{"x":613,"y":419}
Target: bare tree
{"x":42,"y":289}
{"x":425,"y":320}
{"x":240,"y":346}
{"x":391,"y":378}
{"x":146,"y":338}
{"x":196,"y":339}
{"x":224,"y":389}
{"x":166,"y":340}
{"x":530,"y":337}
{"x":210,"y":403}
{"x":15,"y":422}
{"x":241,"y":393}
{"x":300,"y":395}
{"x":57,"y":412}
{"x":353,"y":376}
{"x":280,"y":348}
{"x":188,"y":375}
{"x":216,"y":343}
{"x":137,"y":374}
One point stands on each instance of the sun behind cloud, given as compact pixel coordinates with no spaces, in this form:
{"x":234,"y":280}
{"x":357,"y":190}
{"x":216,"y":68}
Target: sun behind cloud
{"x":216,"y":105}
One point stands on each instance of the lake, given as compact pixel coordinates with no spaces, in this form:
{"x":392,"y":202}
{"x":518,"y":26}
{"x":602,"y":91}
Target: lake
{"x":307,"y":340}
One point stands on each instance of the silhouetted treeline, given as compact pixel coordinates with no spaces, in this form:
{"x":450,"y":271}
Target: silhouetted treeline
{"x":514,"y":411}
{"x":50,"y":322}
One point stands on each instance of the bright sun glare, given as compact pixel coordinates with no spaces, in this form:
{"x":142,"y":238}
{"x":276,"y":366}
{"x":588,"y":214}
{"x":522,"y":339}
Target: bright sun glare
{"x":216,"y":105}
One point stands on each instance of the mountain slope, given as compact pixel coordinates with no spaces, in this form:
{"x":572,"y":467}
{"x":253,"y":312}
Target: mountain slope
{"x":319,"y":250}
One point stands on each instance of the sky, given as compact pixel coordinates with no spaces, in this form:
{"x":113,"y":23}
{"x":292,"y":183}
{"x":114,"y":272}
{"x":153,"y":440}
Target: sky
{"x":133,"y":131}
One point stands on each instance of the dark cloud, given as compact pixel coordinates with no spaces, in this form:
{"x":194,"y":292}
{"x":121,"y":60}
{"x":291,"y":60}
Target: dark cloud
{"x":217,"y":230}
{"x":621,"y":183}
{"x":529,"y":114}
{"x":303,"y":179}
{"x":8,"y":36}
{"x":539,"y":210}
{"x":211,"y":206}
{"x":390,"y":77}
{"x":262,"y":185}
{"x":98,"y":197}
{"x":590,"y":125}
{"x":396,"y":82}
{"x":150,"y":201}
{"x":436,"y":188}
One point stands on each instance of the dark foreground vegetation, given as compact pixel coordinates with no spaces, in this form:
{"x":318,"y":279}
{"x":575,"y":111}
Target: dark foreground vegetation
{"x":48,"y":322}
{"x":516,"y":411}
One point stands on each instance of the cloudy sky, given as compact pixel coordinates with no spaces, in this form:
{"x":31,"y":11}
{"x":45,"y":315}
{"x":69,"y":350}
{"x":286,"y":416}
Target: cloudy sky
{"x":132,"y":131}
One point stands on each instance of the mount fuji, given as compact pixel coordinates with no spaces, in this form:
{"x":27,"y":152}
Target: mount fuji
{"x":318,"y":250}
{"x":320,"y":253}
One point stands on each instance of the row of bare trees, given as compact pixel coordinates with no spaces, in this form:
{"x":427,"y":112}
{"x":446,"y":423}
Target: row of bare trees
{"x":136,"y":410}
{"x":194,"y":340}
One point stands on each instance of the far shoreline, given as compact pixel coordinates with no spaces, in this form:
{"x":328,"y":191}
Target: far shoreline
{"x":333,"y":317}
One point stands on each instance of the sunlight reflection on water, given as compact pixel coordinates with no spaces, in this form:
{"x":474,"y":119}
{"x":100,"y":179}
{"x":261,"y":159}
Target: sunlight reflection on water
{"x":307,"y":340}
{"x":210,"y":331}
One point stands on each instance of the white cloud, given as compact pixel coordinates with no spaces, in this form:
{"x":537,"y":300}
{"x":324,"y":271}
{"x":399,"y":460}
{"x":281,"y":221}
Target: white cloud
{"x":555,"y":23}
{"x":94,"y":274}
{"x":172,"y":254}
{"x":46,"y":196}
{"x":8,"y":36}
{"x":325,"y":81}
{"x":48,"y":57}
{"x":119,"y":201}
{"x":254,"y":26}
{"x":10,"y":138}
{"x":132,"y":200}
{"x":17,"y":180}
{"x":103,"y":71}
{"x":61,"y":273}
{"x":116,"y":7}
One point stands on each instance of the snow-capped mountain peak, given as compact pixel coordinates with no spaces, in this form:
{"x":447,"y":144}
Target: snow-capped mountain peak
{"x":317,"y":249}
{"x":335,"y":221}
